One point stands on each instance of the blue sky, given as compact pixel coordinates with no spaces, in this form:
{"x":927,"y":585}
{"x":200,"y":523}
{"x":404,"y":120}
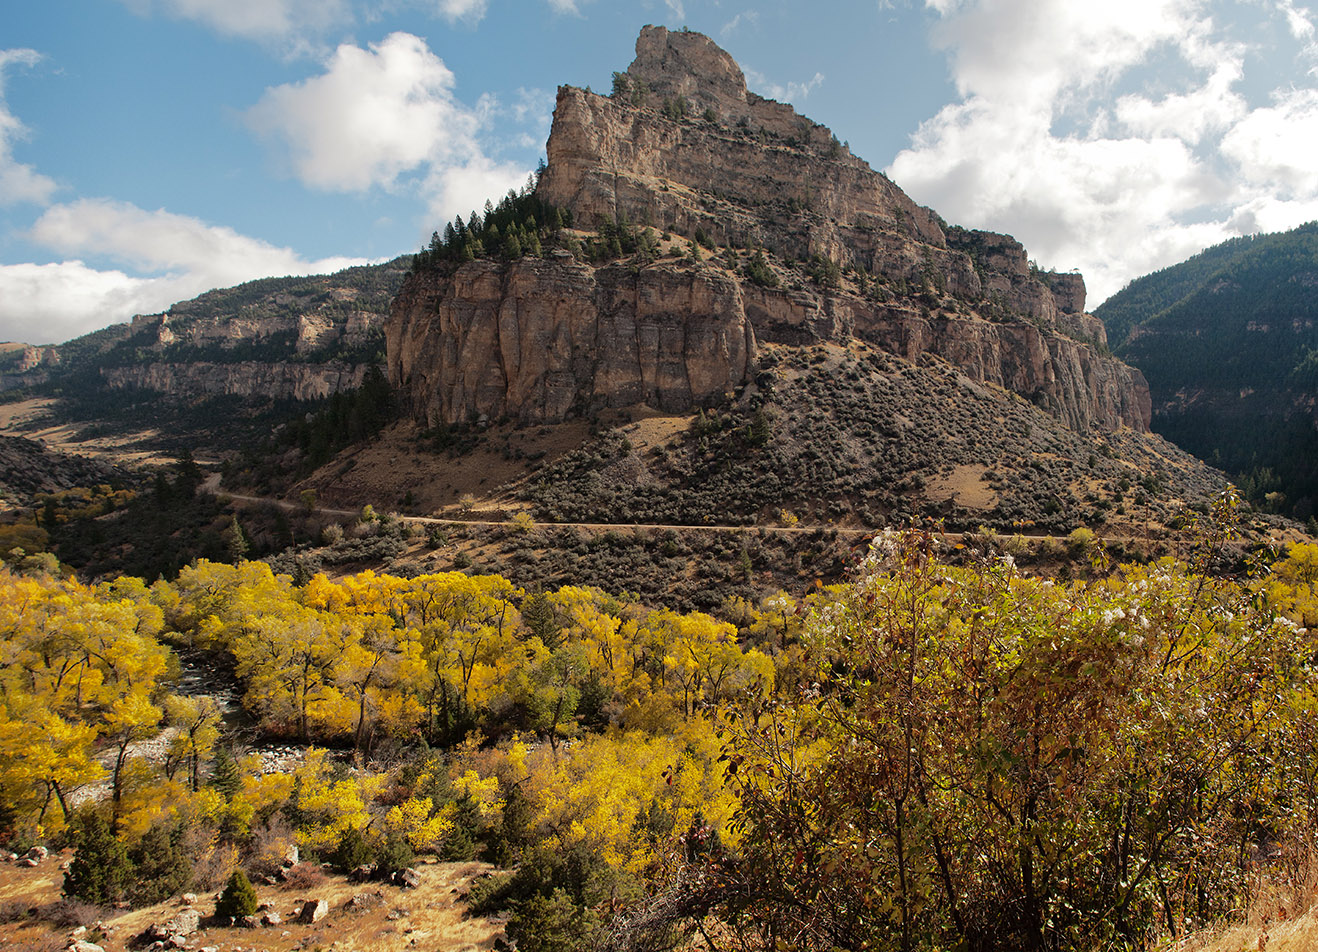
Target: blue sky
{"x":152,"y":149}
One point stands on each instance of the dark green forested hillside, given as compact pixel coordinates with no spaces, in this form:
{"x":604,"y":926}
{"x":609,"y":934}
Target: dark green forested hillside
{"x":1229,"y":343}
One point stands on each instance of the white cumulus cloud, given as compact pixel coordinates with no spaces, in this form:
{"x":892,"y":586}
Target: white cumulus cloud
{"x":1277,"y":145}
{"x":384,"y":117}
{"x":1297,"y":21}
{"x":180,"y":256}
{"x":1048,"y":142}
{"x":471,"y":11}
{"x":749,"y":17}
{"x":793,"y":91}
{"x":293,"y":23}
{"x":18,"y":182}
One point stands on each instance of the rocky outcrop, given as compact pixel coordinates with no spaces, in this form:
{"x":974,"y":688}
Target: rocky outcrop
{"x":298,"y":338}
{"x":278,"y":380}
{"x":684,"y":148}
{"x":542,"y":340}
{"x":22,"y":365}
{"x":308,"y":331}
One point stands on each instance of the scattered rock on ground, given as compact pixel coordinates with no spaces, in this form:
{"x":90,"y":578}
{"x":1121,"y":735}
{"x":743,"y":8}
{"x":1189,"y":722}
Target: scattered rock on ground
{"x":363,"y":901}
{"x":313,"y":911}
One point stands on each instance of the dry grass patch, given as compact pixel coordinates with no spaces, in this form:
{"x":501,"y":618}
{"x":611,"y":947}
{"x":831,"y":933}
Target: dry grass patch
{"x":389,"y":919}
{"x":965,"y":486}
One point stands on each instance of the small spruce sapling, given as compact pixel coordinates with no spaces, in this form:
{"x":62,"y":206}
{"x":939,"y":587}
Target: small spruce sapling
{"x":238,"y":898}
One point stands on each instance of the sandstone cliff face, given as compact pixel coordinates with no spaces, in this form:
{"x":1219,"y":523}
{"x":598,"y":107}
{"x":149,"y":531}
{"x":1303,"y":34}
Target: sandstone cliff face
{"x":298,"y":338}
{"x":541,"y":340}
{"x":538,"y":339}
{"x":277,"y":380}
{"x":308,"y":331}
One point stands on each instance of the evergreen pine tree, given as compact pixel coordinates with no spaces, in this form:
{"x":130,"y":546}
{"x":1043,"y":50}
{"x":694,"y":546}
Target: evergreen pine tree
{"x":235,"y":540}
{"x":161,"y":868}
{"x":394,"y":854}
{"x":225,"y":776}
{"x":100,"y":870}
{"x":539,"y":616}
{"x":352,"y":850}
{"x":238,"y":898}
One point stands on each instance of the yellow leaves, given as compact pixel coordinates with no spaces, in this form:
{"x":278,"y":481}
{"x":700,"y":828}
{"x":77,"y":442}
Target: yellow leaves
{"x":399,"y":714}
{"x":484,"y":793}
{"x":328,"y":805}
{"x":420,"y":824}
{"x":320,"y":594}
{"x":1300,"y":565}
{"x":1294,"y":585}
{"x":600,"y":793}
{"x":147,"y":799}
{"x":262,"y":791}
{"x":216,"y":600}
{"x":39,"y":752}
{"x":516,"y":760}
{"x":133,"y":717}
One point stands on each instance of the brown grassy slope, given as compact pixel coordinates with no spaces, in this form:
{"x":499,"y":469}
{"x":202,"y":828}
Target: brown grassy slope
{"x":392,"y":919}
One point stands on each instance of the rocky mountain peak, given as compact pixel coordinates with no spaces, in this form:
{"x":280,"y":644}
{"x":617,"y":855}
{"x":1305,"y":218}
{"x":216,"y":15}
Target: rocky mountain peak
{"x":691,"y":66}
{"x":707,"y":223}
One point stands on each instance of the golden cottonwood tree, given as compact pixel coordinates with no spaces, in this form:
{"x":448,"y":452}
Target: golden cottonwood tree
{"x":80,"y":666}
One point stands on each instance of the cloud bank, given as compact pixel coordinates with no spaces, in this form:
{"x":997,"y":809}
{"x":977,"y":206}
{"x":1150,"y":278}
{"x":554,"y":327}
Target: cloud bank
{"x":1061,"y":137}
{"x":293,"y":26}
{"x":386,"y":117}
{"x":183,"y":256}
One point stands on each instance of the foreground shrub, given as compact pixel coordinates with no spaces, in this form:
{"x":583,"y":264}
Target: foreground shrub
{"x":238,"y":898}
{"x":100,"y":871}
{"x":979,"y":760}
{"x":161,"y":867}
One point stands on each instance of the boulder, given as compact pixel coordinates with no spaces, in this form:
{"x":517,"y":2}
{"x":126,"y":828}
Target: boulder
{"x":313,"y":911}
{"x":363,"y":901}
{"x":184,"y":922}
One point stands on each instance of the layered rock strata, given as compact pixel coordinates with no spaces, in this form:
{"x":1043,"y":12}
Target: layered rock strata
{"x":282,"y":380}
{"x":683,"y":147}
